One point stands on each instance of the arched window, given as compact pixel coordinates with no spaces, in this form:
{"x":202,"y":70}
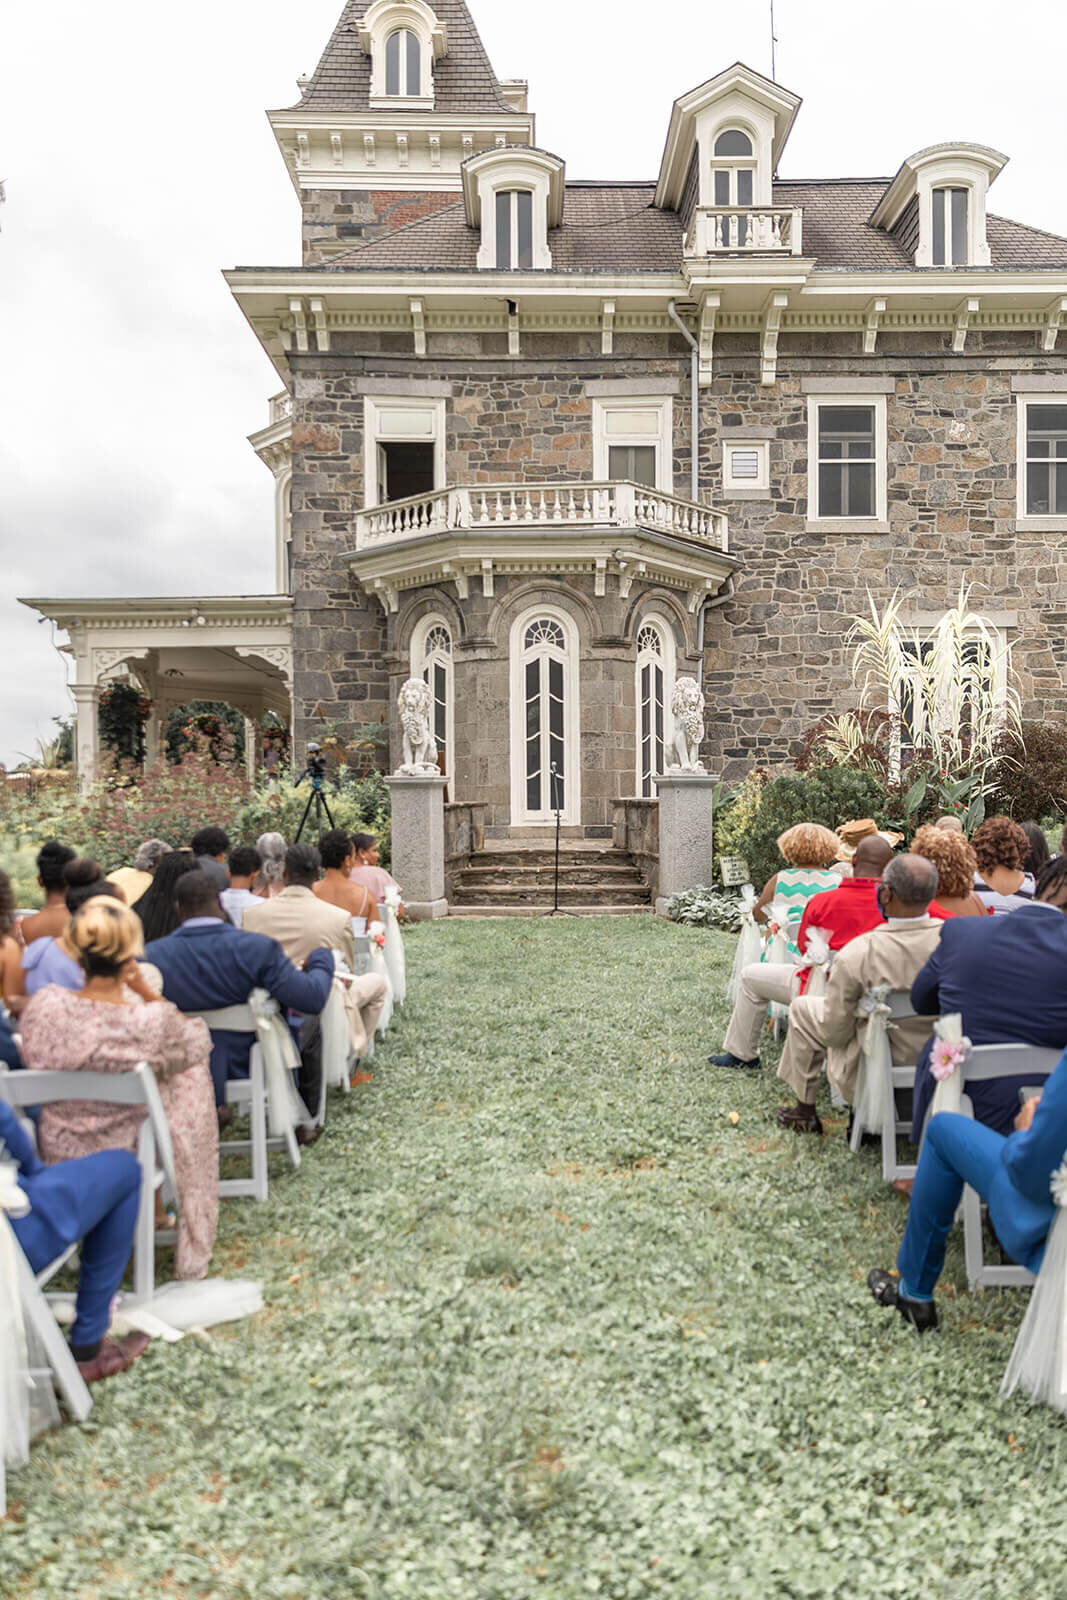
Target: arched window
{"x":544,"y":710}
{"x":655,"y":681}
{"x":431,"y":660}
{"x":403,"y":63}
{"x":735,"y":175}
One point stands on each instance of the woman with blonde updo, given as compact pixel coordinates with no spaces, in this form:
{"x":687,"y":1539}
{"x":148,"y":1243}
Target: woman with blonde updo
{"x":103,"y":1027}
{"x":956,"y":865}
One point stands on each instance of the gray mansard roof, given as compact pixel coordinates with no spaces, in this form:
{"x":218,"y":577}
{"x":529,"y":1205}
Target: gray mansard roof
{"x":616,"y":228}
{"x":464,"y":81}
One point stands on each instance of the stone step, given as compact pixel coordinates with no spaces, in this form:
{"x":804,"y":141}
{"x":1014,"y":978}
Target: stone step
{"x":581,"y":873}
{"x":543,"y":859}
{"x":539,"y":911}
{"x":540,"y":892}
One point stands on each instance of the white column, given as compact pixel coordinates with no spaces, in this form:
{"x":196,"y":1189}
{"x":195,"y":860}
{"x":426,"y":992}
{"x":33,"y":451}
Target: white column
{"x":87,"y":702}
{"x":251,"y":748}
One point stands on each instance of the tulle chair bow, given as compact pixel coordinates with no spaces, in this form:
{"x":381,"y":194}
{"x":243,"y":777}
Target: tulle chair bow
{"x":873,"y":1105}
{"x":1038,"y":1361}
{"x":950,"y":1050}
{"x":749,"y":945}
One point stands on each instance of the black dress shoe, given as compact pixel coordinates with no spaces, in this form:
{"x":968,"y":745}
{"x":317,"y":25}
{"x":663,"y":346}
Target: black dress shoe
{"x":922,"y":1314}
{"x":728,"y":1060}
{"x":307,"y":1135}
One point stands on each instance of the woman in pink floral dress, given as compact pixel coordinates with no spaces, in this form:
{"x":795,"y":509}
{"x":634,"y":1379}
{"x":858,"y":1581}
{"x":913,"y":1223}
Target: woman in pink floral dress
{"x":105,"y":1028}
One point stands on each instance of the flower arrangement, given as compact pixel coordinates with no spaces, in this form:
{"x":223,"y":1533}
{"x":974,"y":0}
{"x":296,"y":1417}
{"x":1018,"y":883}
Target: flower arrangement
{"x":947,"y":1056}
{"x":376,"y":931}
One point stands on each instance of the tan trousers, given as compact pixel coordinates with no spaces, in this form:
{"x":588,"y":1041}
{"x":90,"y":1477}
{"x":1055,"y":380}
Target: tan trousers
{"x":802,"y":1057}
{"x":761,"y":983}
{"x":364,"y":999}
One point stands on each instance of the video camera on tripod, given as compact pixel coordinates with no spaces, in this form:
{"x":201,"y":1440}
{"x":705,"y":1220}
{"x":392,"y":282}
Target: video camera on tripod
{"x":315,"y":771}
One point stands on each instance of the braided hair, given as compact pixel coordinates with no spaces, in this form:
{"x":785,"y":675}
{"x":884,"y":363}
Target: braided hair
{"x":1053,"y":879}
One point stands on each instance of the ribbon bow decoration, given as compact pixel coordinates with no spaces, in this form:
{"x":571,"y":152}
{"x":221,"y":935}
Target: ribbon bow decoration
{"x":817,"y":956}
{"x":950,"y":1051}
{"x":749,"y":945}
{"x":1038,"y":1362}
{"x":874,"y":1107}
{"x":280,"y":1060}
{"x":392,"y":896}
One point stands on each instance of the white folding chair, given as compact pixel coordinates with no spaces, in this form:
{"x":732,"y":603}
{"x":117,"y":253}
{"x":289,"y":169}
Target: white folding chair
{"x":37,"y":1316}
{"x":1023,"y":1062}
{"x":874,"y":1107}
{"x":395,"y":958}
{"x":336,"y":1041}
{"x":268,"y":1086}
{"x":154,"y":1150}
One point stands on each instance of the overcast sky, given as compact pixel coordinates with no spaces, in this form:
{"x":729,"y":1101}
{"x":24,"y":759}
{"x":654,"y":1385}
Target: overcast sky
{"x":139,"y":165}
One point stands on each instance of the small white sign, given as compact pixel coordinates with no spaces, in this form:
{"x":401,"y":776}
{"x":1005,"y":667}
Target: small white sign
{"x":734,"y":871}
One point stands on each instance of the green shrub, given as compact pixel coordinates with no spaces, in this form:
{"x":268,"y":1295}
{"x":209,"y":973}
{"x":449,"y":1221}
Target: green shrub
{"x":705,"y":907}
{"x":1030,"y":775}
{"x":829,"y":795}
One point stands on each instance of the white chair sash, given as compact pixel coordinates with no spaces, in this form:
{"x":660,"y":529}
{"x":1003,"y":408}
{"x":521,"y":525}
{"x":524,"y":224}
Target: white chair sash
{"x":395,"y":959}
{"x":817,"y":957}
{"x":1038,"y":1361}
{"x":950,"y":1051}
{"x":336,"y":1035}
{"x":378,"y":966}
{"x":784,"y":919}
{"x":749,"y":945}
{"x":874,"y":1107}
{"x":280,"y":1056}
{"x":14,"y":1361}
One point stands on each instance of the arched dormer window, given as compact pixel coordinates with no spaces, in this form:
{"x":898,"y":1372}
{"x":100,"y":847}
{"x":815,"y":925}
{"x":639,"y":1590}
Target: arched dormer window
{"x":403,"y":63}
{"x":514,"y":195}
{"x":403,"y":39}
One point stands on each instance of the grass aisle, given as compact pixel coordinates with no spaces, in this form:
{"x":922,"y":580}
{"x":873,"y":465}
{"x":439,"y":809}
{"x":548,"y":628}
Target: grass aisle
{"x":543,"y":1322}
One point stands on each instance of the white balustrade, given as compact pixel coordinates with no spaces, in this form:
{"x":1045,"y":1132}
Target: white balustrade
{"x":481,"y":508}
{"x":753,"y":230}
{"x":281,"y":406}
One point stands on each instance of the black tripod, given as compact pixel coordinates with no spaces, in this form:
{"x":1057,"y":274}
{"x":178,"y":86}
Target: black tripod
{"x":556,"y":912}
{"x":316,"y":771}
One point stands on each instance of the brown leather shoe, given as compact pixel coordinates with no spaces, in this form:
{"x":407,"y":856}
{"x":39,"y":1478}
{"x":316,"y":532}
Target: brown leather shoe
{"x":798,"y":1118}
{"x":358,"y":1078}
{"x":307,"y":1135}
{"x":114,"y":1356}
{"x":903,"y":1187}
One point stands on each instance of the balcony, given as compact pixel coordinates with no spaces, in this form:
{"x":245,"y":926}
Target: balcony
{"x":746,"y":230}
{"x":506,"y":506}
{"x":477,"y":532}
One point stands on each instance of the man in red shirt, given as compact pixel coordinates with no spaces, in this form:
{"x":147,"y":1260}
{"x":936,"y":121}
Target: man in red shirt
{"x":852,"y":909}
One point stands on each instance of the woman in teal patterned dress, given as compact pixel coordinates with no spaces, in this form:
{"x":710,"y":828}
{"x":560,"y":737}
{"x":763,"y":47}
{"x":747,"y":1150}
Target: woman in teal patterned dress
{"x":808,"y":850}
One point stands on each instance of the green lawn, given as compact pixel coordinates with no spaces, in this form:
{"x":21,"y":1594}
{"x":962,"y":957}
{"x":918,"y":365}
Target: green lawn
{"x":543,"y":1322}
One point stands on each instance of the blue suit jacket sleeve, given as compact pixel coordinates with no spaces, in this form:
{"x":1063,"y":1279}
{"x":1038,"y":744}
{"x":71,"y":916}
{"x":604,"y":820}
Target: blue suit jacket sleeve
{"x":924,"y":991}
{"x":306,"y":991}
{"x":1032,"y":1157}
{"x":9,"y":1050}
{"x":19,"y":1147}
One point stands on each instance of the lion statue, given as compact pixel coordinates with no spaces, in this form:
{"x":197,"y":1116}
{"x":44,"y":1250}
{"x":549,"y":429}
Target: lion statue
{"x":687,"y":709}
{"x":416,"y":722}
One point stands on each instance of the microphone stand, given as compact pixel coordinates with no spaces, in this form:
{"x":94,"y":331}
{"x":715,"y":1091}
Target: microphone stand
{"x":556,"y":912}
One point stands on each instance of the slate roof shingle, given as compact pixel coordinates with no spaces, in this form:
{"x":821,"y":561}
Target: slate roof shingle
{"x":464,"y":81}
{"x":615,"y":228}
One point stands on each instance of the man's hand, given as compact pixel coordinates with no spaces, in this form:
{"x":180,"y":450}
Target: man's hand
{"x":134,"y":979}
{"x":1026,"y":1113}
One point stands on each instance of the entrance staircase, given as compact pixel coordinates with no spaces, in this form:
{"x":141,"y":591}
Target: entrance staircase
{"x":514,"y":878}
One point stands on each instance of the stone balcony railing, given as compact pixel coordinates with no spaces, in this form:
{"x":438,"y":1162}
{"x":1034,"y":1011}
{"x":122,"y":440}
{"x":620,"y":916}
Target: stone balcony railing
{"x":521,"y":507}
{"x":747,"y":230}
{"x":281,"y":407}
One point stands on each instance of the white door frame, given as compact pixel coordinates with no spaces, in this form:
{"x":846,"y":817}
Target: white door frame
{"x":517,"y":659}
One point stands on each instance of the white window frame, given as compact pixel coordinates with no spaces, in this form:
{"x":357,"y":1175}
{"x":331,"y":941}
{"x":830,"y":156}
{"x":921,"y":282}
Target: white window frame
{"x":950,"y":238}
{"x":572,"y":792}
{"x":376,"y":410}
{"x":419,"y":663}
{"x":879,"y":521}
{"x":735,"y":164}
{"x":668,"y":661}
{"x":513,"y":241}
{"x":1050,"y":521}
{"x":660,"y":434}
{"x":741,"y":488}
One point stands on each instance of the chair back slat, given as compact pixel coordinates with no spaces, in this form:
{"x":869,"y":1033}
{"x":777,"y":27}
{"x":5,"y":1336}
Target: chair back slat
{"x":986,"y":1061}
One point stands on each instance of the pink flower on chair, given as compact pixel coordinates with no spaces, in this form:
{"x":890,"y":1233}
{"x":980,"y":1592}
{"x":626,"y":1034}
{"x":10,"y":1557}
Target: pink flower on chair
{"x":946,"y":1056}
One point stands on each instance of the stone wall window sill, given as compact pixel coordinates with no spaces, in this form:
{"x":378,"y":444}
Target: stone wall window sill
{"x":1041,"y":524}
{"x":746,"y":494}
{"x":846,"y":525}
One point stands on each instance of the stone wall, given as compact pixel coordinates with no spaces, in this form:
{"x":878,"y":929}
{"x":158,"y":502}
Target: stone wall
{"x":343,"y":219}
{"x":776,"y":656}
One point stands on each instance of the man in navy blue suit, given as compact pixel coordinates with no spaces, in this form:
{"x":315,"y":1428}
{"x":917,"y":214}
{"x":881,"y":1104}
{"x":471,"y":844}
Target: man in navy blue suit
{"x":93,"y":1200}
{"x":1007,"y":976}
{"x":208,"y":964}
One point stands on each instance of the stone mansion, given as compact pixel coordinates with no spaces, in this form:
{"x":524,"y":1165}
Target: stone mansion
{"x":550,"y":444}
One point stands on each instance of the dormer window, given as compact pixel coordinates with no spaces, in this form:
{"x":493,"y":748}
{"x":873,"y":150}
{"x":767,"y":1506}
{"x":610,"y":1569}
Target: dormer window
{"x":950,"y":234}
{"x":514,"y":229}
{"x":403,"y":39}
{"x":514,"y":195}
{"x":735,"y":169}
{"x":403,"y":63}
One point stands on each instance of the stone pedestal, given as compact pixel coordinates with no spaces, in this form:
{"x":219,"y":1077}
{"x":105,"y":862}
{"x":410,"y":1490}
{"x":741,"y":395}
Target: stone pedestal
{"x":686,"y":850}
{"x":419,"y":844}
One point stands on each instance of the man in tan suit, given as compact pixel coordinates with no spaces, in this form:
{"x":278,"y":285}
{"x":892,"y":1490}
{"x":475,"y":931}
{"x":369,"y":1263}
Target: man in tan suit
{"x":301,"y":922}
{"x":830,"y":1026}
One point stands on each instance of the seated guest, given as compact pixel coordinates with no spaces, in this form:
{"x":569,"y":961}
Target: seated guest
{"x":271,"y":878}
{"x":9,"y":1050}
{"x":845,"y":912}
{"x":207,"y":964}
{"x":156,"y":906}
{"x":830,"y":1025}
{"x":1038,"y":856}
{"x":302,"y":922}
{"x":950,"y":823}
{"x":1011,"y":1172}
{"x":1001,"y":847}
{"x":54,"y":916}
{"x":137,"y":880}
{"x":10,"y":953}
{"x":92,"y":1202}
{"x":211,"y":847}
{"x":102,"y":1028}
{"x":956,"y":865}
{"x":367,"y":871}
{"x":56,"y":960}
{"x":337,"y":887}
{"x":244,"y":865}
{"x":1004,"y":975}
